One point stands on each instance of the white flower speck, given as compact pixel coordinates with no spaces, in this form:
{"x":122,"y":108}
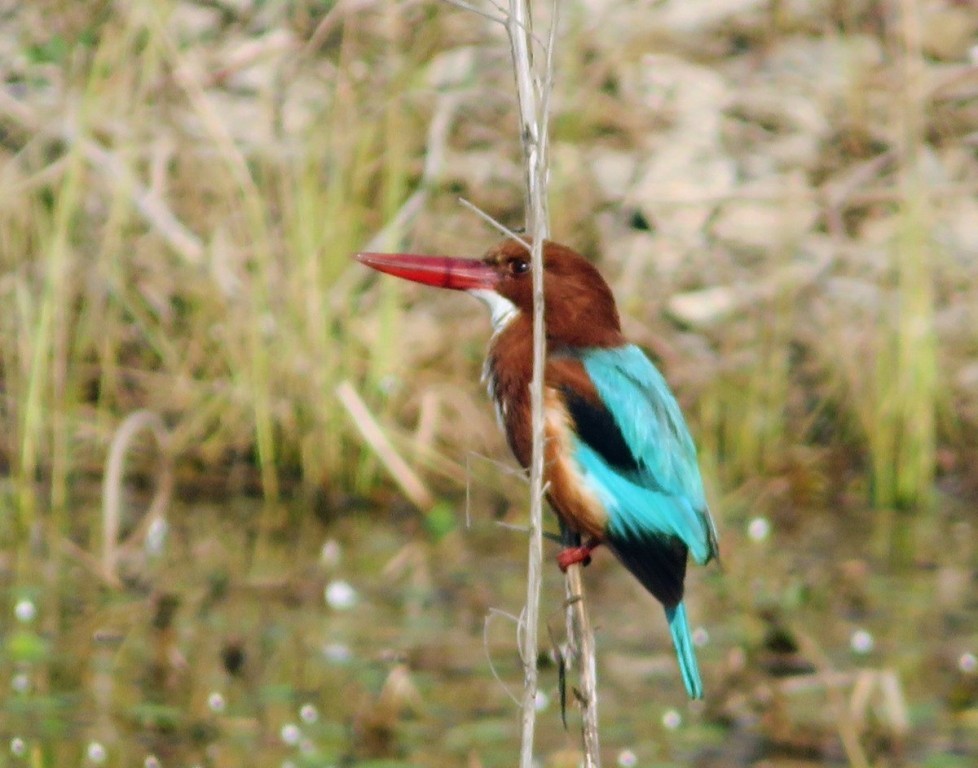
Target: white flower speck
{"x":627,"y":759}
{"x":290,"y":734}
{"x":96,"y":752}
{"x":759,"y":529}
{"x":216,"y":702}
{"x":861,"y":641}
{"x":25,"y":611}
{"x":671,"y":719}
{"x":340,"y":595}
{"x":21,"y":682}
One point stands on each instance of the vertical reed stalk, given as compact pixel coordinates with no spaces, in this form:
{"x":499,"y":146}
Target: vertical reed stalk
{"x":916,"y":348}
{"x":42,"y":416}
{"x":905,"y":449}
{"x":534,"y":138}
{"x":533,"y":87}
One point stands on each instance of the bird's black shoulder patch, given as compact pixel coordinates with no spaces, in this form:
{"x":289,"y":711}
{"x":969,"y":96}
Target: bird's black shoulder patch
{"x":595,"y":425}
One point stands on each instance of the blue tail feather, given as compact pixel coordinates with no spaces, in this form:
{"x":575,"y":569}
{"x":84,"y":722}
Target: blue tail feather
{"x":685,"y":652}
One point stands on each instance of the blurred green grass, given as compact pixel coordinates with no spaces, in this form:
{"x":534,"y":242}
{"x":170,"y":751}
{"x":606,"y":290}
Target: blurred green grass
{"x":185,"y":185}
{"x":238,"y":336}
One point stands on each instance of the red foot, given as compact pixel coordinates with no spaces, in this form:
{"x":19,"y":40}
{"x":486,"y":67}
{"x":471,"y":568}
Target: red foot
{"x":568,"y":557}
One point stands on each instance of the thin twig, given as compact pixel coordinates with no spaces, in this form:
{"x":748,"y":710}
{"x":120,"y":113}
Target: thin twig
{"x":534,"y":140}
{"x":534,"y":104}
{"x":848,"y":734}
{"x":92,"y":563}
{"x":580,"y":632}
{"x":494,"y":222}
{"x":374,"y":435}
{"x":147,"y":202}
{"x":505,"y":17}
{"x":533,"y":98}
{"x":112,"y":485}
{"x":493,"y":612}
{"x":477,"y":11}
{"x":581,"y":637}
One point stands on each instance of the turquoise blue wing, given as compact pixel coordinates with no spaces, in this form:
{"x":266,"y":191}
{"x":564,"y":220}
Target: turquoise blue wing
{"x":635,"y":453}
{"x":654,"y":493}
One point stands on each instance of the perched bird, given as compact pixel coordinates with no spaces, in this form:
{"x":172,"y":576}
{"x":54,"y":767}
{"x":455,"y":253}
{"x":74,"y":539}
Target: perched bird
{"x":620,"y":465}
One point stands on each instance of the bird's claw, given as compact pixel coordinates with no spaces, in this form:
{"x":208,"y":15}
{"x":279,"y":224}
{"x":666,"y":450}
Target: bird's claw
{"x":573,"y":555}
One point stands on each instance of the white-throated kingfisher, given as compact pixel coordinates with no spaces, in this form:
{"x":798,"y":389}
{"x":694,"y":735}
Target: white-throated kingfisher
{"x":619,"y":464}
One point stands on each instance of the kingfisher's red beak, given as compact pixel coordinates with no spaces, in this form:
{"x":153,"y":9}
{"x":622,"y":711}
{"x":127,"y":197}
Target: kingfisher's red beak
{"x":439,"y":271}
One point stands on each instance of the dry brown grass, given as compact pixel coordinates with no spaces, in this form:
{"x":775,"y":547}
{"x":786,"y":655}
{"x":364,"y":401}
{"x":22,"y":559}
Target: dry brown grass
{"x":784,"y":200}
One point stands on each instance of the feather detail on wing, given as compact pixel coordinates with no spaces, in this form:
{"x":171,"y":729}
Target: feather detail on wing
{"x":636,"y":451}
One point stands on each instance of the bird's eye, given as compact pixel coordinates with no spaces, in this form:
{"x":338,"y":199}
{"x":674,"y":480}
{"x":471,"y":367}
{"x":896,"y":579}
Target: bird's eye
{"x":519,"y":266}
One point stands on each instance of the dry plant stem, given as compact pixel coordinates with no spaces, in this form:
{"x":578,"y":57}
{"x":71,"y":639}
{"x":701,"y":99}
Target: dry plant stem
{"x":581,"y":636}
{"x":532,"y":120}
{"x":114,"y":476}
{"x":844,"y":721}
{"x":578,"y":620}
{"x":373,"y":433}
{"x":534,"y":103}
{"x":533,"y":92}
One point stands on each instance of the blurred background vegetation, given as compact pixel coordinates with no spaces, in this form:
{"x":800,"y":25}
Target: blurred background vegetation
{"x":782,"y":194}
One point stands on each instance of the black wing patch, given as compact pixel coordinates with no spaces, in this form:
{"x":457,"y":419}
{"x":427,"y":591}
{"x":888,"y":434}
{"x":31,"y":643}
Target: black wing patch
{"x":595,"y":425}
{"x":659,"y":562}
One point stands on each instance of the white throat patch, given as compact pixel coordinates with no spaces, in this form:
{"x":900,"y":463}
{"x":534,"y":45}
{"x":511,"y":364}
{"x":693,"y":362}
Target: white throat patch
{"x":501,"y":309}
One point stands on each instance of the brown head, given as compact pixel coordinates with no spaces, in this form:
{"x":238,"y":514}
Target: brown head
{"x":579,"y":307}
